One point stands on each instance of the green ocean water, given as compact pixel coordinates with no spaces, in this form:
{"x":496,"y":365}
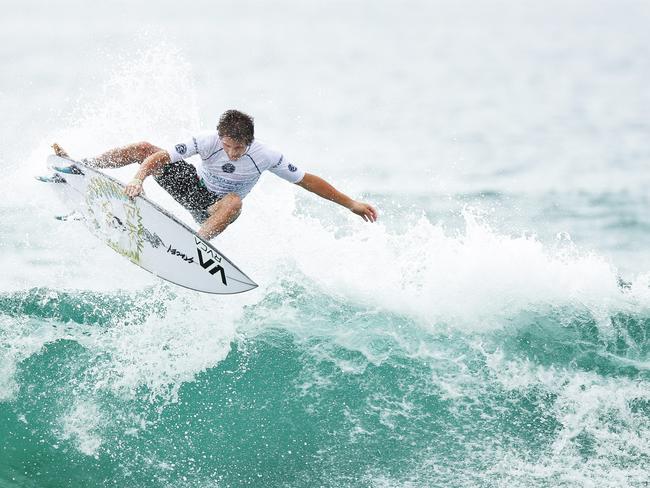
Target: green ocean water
{"x":371,"y":399}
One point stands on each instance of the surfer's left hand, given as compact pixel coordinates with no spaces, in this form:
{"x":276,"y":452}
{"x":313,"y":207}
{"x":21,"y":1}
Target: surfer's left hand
{"x":133,"y":188}
{"x":365,"y":211}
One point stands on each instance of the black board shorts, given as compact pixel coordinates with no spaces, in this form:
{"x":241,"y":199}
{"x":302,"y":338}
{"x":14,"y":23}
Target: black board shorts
{"x":182,"y":182}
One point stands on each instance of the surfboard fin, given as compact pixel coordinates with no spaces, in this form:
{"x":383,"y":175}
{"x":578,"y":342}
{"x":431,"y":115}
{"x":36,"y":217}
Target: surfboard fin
{"x":71,"y":216}
{"x":73,"y":169}
{"x":55,"y":178}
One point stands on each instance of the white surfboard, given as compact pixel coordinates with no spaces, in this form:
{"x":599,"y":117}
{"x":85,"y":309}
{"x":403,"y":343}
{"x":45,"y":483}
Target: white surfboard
{"x":143,"y":232}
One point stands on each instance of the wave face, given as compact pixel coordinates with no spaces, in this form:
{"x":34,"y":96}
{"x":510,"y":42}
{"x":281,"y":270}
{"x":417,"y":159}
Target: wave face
{"x":491,"y":330}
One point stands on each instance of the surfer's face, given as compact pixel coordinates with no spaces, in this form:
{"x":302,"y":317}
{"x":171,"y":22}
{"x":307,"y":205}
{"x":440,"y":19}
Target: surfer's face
{"x":234,"y":149}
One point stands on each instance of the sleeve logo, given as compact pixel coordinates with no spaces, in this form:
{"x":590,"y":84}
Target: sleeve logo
{"x":181,"y":149}
{"x":292,"y":168}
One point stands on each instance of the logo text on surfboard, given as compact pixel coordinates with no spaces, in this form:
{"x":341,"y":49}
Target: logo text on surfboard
{"x":209,"y":259}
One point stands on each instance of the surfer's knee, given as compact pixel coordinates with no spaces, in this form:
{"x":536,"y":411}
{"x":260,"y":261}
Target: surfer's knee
{"x":233,"y":203}
{"x":230,"y":204}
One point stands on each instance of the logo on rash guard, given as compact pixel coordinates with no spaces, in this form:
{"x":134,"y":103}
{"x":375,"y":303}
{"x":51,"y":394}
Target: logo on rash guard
{"x":292,"y":168}
{"x":181,"y":148}
{"x":228,"y":168}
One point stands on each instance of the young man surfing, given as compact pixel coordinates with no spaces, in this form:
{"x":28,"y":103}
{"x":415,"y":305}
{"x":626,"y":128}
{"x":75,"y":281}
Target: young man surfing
{"x":232,"y":162}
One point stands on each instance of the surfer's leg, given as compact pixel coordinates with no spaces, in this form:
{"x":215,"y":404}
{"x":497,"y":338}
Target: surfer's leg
{"x":118,"y":157}
{"x":121,"y":156}
{"x":222,"y":214}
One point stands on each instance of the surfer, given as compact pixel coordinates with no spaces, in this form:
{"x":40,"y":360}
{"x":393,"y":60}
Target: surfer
{"x":232,"y":161}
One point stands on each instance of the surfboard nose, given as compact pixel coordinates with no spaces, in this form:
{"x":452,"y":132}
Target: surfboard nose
{"x":221,"y":268}
{"x":243,"y":280}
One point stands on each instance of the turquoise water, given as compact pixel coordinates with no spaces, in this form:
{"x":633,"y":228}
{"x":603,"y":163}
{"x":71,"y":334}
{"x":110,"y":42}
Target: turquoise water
{"x":286,"y":411}
{"x":491,"y":330}
{"x":545,"y":401}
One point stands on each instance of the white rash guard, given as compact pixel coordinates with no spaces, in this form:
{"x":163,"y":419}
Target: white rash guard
{"x":222,"y":176}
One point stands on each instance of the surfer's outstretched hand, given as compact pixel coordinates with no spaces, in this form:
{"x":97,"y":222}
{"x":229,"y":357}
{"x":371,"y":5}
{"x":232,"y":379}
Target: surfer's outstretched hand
{"x":59,"y":151}
{"x":366,"y":211}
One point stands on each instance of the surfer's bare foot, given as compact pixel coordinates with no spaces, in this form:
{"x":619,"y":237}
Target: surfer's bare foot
{"x":59,"y":151}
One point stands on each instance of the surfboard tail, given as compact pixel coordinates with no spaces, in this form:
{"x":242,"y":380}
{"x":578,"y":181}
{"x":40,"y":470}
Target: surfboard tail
{"x":53,"y":178}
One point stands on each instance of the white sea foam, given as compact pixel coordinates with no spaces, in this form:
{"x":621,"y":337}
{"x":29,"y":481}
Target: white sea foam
{"x":475,"y":279}
{"x":162,"y":352}
{"x":81,"y":425}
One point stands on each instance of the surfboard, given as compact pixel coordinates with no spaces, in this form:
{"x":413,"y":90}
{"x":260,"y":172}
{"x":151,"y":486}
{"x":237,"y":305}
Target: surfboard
{"x":143,"y":232}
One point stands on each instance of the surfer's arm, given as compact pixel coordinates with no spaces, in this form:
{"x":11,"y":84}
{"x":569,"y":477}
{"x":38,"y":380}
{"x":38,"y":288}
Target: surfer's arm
{"x":149,"y":166}
{"x":323,"y":189}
